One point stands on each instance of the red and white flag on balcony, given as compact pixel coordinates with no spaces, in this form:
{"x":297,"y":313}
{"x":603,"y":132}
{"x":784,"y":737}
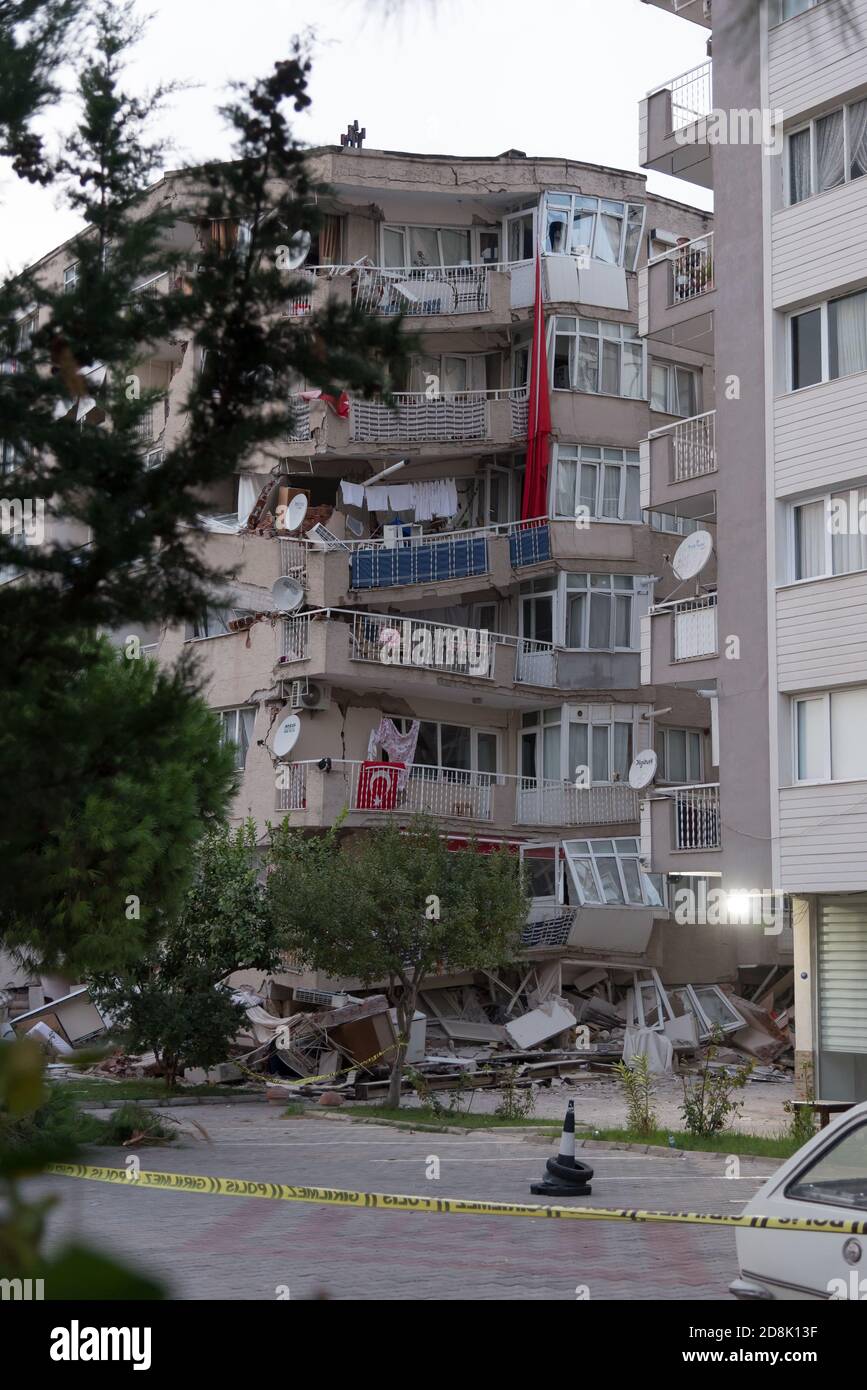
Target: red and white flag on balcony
{"x":535,"y":500}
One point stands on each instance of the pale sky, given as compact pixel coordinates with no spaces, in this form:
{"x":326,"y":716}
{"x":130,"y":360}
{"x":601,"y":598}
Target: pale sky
{"x":463,"y":77}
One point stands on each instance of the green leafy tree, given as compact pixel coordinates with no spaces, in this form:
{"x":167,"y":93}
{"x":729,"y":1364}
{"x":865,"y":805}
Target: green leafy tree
{"x":124,"y":767}
{"x":393,"y":906}
{"x":175,"y":1001}
{"x":123,"y":547}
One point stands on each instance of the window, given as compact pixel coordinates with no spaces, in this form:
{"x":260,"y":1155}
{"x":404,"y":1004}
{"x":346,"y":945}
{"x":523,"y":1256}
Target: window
{"x":598,"y":356}
{"x":605,"y":481}
{"x":670,"y":524}
{"x":603,"y":228}
{"x":606,"y":872}
{"x":439,"y":246}
{"x":679,"y":754}
{"x":829,"y":341}
{"x":215,"y":622}
{"x":673,"y":389}
{"x":453,"y":373}
{"x":829,"y":534}
{"x":838,"y":1177}
{"x":70,"y":278}
{"x":790,"y":8}
{"x":829,"y":736}
{"x":599,"y":612}
{"x":10,"y":457}
{"x":828,"y":152}
{"x":237,"y":728}
{"x":24,"y":333}
{"x":556,"y":743}
{"x":449,"y":747}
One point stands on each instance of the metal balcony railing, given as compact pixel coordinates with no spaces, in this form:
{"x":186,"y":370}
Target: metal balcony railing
{"x":694,"y":625}
{"x":296,"y":638}
{"x":693,"y":446}
{"x":691,"y":95}
{"x":519,"y":400}
{"x":421,"y":559}
{"x":299,"y":430}
{"x":697,"y":817}
{"x":292,"y":792}
{"x":529,"y":542}
{"x":418,"y":643}
{"x":416,"y":417}
{"x":542,"y":802}
{"x":419,"y":291}
{"x":692,"y":270}
{"x":293,"y":560}
{"x":155,"y":287}
{"x":446,"y":792}
{"x":536,"y":662}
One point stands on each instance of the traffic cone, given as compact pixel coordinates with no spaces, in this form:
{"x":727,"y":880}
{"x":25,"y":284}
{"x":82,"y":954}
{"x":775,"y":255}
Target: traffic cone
{"x":564,"y":1175}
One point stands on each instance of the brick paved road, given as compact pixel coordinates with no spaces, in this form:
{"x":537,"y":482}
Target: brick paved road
{"x":246,"y":1248}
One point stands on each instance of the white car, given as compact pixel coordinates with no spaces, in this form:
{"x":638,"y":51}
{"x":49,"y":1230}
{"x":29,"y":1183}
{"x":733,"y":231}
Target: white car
{"x":826,"y":1180}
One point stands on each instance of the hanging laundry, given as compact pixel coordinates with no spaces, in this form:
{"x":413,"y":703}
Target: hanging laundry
{"x":353,"y":494}
{"x":401,"y":496}
{"x":438,"y":498}
{"x":399,"y":747}
{"x":377,"y":499}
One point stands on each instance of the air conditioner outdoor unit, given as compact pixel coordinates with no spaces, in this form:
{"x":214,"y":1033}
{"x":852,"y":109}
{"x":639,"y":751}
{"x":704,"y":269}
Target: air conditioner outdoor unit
{"x":315,"y":697}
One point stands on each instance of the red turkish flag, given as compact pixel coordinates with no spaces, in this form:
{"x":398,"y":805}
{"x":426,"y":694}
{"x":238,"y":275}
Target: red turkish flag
{"x":535,"y":499}
{"x":378,"y":786}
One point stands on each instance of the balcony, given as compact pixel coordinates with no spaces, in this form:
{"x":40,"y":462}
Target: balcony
{"x":431,"y":559}
{"x":675,"y":460}
{"x":676,"y":296}
{"x":673,"y":134}
{"x":416,"y":418}
{"x":491,"y":420}
{"x":699,"y":11}
{"x":384,"y":789}
{"x":561,"y":668}
{"x":459,"y":295}
{"x":541,"y":802}
{"x":696,"y":817}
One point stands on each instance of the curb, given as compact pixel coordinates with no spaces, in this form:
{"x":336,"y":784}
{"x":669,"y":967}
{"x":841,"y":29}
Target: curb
{"x":171,"y":1102}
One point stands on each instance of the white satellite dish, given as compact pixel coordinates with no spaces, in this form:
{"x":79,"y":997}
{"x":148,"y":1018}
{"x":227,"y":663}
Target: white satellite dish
{"x":692,"y":555}
{"x":286,"y":735}
{"x":288,"y":595}
{"x":299,"y":250}
{"x":295,"y":512}
{"x":643,"y":770}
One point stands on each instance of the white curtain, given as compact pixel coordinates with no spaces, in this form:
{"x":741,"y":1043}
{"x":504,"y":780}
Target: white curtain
{"x":809,"y":540}
{"x":799,"y":166}
{"x":830,"y":165}
{"x":849,"y":549}
{"x":857,"y":118}
{"x":848,"y":323}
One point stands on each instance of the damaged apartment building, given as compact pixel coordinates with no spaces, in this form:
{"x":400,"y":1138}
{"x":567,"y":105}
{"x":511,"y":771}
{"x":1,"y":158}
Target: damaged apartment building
{"x":441,"y":651}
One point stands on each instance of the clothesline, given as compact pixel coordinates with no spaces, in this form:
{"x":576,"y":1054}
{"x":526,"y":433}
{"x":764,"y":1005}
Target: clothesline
{"x":438,"y":498}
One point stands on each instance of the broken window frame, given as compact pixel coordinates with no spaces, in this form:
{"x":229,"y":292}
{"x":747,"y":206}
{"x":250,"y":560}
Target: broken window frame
{"x":569,"y":209}
{"x":618,"y":850}
{"x":705,"y":1023}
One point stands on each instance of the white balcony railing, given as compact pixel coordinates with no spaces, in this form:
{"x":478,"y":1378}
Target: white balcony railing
{"x":536,"y":662}
{"x":519,"y":400}
{"x":292,"y":791}
{"x":417,"y":643}
{"x":692,"y":270}
{"x":697,"y":817}
{"x":691,"y":95}
{"x":293,"y":560}
{"x":155,"y":287}
{"x":416,"y":417}
{"x":451,"y":793}
{"x":693,"y":446}
{"x":296,"y":638}
{"x":299,"y":430}
{"x":422,"y":290}
{"x":541,"y":802}
{"x":695,"y":628}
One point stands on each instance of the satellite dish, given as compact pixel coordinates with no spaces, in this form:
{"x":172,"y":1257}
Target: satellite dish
{"x":643,"y":770}
{"x":286,"y":735}
{"x":288,"y":595}
{"x":692,"y":555}
{"x":299,"y":250}
{"x":295,"y":512}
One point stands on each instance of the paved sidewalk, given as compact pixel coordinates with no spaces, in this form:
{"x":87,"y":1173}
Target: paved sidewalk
{"x":246,"y":1248}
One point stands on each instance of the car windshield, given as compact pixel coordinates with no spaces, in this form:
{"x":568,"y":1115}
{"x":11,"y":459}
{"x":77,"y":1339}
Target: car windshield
{"x":838,"y":1178}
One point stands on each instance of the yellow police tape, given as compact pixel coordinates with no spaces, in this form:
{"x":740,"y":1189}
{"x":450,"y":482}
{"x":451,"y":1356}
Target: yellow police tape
{"x":459,"y":1206}
{"x":278,"y":1082}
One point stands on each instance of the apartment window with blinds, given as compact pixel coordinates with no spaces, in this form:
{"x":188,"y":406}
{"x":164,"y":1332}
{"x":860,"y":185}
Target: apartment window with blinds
{"x":829,"y":534}
{"x":597,"y":356}
{"x":828,"y":341}
{"x":603,"y":228}
{"x":828,"y":152}
{"x":605,"y":482}
{"x":599,"y":612}
{"x":673,"y":389}
{"x":828,"y":732}
{"x":679,"y":754}
{"x":236,"y":727}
